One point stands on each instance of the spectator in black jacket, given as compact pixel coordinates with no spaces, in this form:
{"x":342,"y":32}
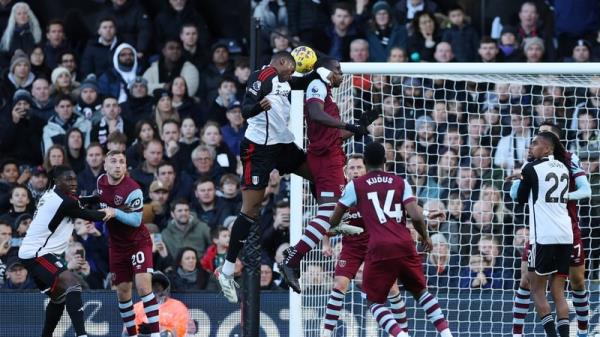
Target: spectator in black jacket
{"x":187,"y":274}
{"x":98,"y":53}
{"x":461,"y":35}
{"x":219,"y":67}
{"x":307,"y":19}
{"x":139,"y":104}
{"x":194,"y":45}
{"x":344,"y":28}
{"x":20,"y":131}
{"x":226,"y":91}
{"x":426,"y":35}
{"x":41,"y":105}
{"x":179,"y":184}
{"x":133,"y":24}
{"x":209,"y":208}
{"x":169,"y":21}
{"x":68,"y":60}
{"x":19,"y":75}
{"x":145,"y":172}
{"x":56,"y":42}
{"x":384,"y":33}
{"x":488,"y":50}
{"x":110,"y":122}
{"x":38,"y":62}
{"x":276,"y":231}
{"x":94,"y":166}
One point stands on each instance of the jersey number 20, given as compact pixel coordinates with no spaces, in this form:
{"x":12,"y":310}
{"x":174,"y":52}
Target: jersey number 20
{"x":561,"y":197}
{"x":387,"y":207}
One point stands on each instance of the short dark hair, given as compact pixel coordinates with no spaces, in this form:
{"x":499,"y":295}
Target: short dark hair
{"x":326,"y":62}
{"x":283,"y":55}
{"x":187,"y":25}
{"x":203,"y":179}
{"x":106,"y":18}
{"x":374,"y":154}
{"x":95,"y":144}
{"x":171,"y":121}
{"x":285,"y":203}
{"x":55,"y":22}
{"x":242,"y":62}
{"x":66,"y":52}
{"x":116,"y":137}
{"x":231,"y":178}
{"x":153,"y":141}
{"x":62,"y":97}
{"x":171,"y":39}
{"x":343,"y":6}
{"x":178,"y":201}
{"x":215,"y":232}
{"x":487,"y":39}
{"x":165,"y":163}
{"x":8,"y":161}
{"x":58,"y":171}
{"x":455,"y":7}
{"x":226,"y":79}
{"x":109,"y":97}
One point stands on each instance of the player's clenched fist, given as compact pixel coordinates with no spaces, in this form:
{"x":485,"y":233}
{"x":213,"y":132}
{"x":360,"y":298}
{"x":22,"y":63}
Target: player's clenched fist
{"x":110,"y":213}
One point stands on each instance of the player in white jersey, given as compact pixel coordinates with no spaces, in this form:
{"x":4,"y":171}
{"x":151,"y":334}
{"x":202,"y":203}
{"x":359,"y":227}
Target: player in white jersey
{"x":47,"y":237}
{"x":544,"y":185}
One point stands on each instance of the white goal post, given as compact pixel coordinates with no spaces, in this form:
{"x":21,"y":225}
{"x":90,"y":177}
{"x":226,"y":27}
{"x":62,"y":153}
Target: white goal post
{"x":423,"y":105}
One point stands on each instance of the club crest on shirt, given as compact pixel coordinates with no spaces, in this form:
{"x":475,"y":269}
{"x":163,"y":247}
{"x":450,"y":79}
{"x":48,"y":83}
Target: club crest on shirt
{"x":342,"y":263}
{"x":118,"y":200}
{"x":255,"y":180}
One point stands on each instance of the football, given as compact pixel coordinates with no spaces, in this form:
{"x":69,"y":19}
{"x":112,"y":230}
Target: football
{"x":305,"y":58}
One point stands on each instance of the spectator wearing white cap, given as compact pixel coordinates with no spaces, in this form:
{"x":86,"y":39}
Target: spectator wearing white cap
{"x":581,"y":52}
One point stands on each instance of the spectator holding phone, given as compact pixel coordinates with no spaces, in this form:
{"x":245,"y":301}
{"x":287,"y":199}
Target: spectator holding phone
{"x":94,"y":243}
{"x":20,"y":132}
{"x":77,"y":263}
{"x":160,"y":255}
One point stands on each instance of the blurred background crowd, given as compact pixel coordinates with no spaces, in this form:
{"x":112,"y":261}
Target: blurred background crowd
{"x":163,"y":81}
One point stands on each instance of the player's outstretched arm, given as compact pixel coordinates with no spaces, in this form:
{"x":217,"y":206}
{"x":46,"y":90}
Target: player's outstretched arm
{"x":73,"y":210}
{"x":337,"y":215}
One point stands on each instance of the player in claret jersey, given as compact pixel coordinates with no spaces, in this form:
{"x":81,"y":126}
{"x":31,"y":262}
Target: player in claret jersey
{"x":354,"y":249}
{"x":130,"y":246}
{"x":325,"y":157}
{"x":579,"y":188}
{"x":383,"y":199}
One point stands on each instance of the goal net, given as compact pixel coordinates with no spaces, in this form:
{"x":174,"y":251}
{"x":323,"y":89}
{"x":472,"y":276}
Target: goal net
{"x":456,"y":131}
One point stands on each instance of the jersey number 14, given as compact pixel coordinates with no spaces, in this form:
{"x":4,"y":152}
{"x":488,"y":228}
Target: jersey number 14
{"x":387,"y":207}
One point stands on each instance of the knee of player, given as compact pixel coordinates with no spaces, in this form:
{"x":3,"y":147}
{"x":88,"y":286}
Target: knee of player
{"x":577,"y":281}
{"x":67,"y":280}
{"x":341,"y":284}
{"x":524,"y":283}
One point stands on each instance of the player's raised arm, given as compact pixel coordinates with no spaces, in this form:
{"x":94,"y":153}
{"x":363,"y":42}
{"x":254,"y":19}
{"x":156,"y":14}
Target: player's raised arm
{"x":583,"y":188}
{"x":135,"y":204}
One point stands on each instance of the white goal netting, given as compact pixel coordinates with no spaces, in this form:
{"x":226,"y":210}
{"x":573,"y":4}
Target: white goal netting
{"x":456,"y":137}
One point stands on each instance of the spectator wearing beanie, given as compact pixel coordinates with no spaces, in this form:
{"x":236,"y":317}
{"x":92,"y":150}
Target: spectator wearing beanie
{"x":534,"y":49}
{"x":170,"y":65}
{"x":19,"y":75}
{"x":20,"y":131}
{"x":406,"y":10}
{"x":89,"y":102}
{"x":582,"y":52}
{"x":384,"y":33}
{"x":139,"y":104}
{"x":63,"y":84}
{"x":117,"y":79}
{"x":63,"y":120}
{"x":22,"y":32}
{"x":133,"y":24}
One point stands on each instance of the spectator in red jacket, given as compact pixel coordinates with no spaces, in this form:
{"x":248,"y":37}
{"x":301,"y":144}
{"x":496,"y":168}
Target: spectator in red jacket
{"x":215,"y":254}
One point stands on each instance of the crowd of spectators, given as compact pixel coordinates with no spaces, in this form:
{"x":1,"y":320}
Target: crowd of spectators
{"x":163,"y":80}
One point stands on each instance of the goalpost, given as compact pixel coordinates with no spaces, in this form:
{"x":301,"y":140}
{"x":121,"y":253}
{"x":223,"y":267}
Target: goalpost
{"x":442,"y":125}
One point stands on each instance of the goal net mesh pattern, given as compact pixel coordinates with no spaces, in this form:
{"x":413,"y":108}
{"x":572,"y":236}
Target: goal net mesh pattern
{"x":456,"y":138}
